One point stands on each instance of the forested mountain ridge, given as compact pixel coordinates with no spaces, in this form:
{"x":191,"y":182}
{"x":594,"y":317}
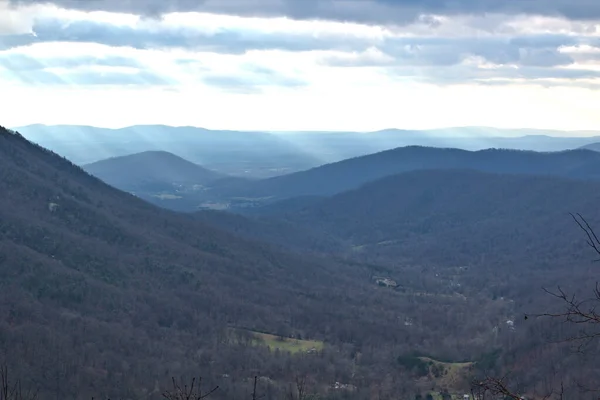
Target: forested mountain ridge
{"x":158,"y":177}
{"x":105,"y":295}
{"x":495,"y":237}
{"x":437,"y":208}
{"x":150,"y":168}
{"x":349,"y":174}
{"x":591,"y":146}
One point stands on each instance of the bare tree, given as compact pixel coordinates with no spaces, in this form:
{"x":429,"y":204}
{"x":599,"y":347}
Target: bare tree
{"x":14,"y":391}
{"x":498,"y":388}
{"x":300,"y":388}
{"x":581,"y":312}
{"x":185,"y":392}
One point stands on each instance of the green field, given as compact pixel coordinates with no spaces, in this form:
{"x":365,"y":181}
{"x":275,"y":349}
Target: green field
{"x":454,"y":378}
{"x":287,"y":344}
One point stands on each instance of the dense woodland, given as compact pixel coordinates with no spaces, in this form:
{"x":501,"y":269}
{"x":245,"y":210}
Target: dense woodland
{"x":107,"y":296}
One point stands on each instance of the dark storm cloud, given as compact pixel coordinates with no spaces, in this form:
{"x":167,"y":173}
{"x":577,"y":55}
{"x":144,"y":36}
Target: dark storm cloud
{"x":367,"y":11}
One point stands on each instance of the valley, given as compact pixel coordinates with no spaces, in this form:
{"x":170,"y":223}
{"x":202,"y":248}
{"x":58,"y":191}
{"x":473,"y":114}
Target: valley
{"x":299,"y":200}
{"x":377,"y":273}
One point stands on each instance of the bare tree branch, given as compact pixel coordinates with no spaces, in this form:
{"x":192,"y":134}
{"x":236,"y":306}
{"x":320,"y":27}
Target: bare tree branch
{"x":187,"y":393}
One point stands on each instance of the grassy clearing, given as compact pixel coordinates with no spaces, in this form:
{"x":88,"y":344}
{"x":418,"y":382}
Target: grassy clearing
{"x":287,"y":344}
{"x":454,"y":376}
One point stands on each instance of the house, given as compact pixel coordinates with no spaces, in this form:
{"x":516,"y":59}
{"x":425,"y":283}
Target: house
{"x":386,"y":282}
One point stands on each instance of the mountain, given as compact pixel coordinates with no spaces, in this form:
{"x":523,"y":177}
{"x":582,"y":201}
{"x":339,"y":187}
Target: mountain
{"x":592,"y":146}
{"x":247,"y":154}
{"x":290,"y":236}
{"x":401,"y":286}
{"x":159,"y":177}
{"x":150,"y":170}
{"x":267,"y":154}
{"x":349,"y":174}
{"x":459,"y":216}
{"x":104,"y":295}
{"x":465,"y":234}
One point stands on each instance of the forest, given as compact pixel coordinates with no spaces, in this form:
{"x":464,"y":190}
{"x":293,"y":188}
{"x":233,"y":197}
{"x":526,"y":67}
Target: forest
{"x":411,"y":285}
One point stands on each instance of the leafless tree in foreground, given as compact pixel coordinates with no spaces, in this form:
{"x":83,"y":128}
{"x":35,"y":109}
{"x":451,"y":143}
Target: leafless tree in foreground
{"x":497,"y":388}
{"x":13,"y":391}
{"x":299,"y":391}
{"x":188,"y":392}
{"x":581,"y":312}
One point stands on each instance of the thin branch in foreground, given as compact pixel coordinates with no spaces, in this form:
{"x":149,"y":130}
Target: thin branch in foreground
{"x":185,"y":393}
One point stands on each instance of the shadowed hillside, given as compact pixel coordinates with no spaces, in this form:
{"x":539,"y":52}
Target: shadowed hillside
{"x":150,"y":170}
{"x":464,"y":234}
{"x":352,"y":173}
{"x":459,"y":216}
{"x":105,"y":295}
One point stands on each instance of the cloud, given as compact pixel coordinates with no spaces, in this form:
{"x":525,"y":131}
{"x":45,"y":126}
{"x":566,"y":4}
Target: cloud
{"x":533,"y":50}
{"x":22,"y":62}
{"x":450,"y":46}
{"x":83,"y":78}
{"x":364,"y":11}
{"x":152,"y":36}
{"x":84,"y":70}
{"x":14,"y":22}
{"x":526,"y":51}
{"x":252,"y":80}
{"x":477,"y":73}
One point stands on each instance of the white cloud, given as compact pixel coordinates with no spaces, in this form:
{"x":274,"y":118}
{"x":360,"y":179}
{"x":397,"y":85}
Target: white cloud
{"x":15,"y":22}
{"x":222,"y":71}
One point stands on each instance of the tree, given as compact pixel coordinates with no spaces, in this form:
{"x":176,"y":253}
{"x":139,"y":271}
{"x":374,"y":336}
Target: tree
{"x":14,"y":391}
{"x":577,"y":311}
{"x":188,"y":392}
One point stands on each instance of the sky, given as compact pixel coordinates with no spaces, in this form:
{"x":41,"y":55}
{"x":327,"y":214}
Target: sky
{"x":355,"y":65}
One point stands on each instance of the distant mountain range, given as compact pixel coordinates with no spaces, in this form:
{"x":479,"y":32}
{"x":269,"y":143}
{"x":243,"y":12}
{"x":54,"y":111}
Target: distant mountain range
{"x":267,"y":154}
{"x":349,"y":174}
{"x":428,"y":214}
{"x":97,"y":280}
{"x":172,"y":182}
{"x":592,"y":146}
{"x":378,"y":263}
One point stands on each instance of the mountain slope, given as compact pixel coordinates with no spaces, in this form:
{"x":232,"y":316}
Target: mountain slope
{"x":158,"y":177}
{"x":103,"y":295}
{"x":300,"y":150}
{"x":349,"y":174}
{"x":150,"y":170}
{"x":106,"y":295}
{"x":592,"y":146}
{"x":259,"y":154}
{"x":459,"y":216}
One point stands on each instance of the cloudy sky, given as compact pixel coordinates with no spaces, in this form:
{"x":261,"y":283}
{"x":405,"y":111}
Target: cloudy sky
{"x":301,"y":64}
